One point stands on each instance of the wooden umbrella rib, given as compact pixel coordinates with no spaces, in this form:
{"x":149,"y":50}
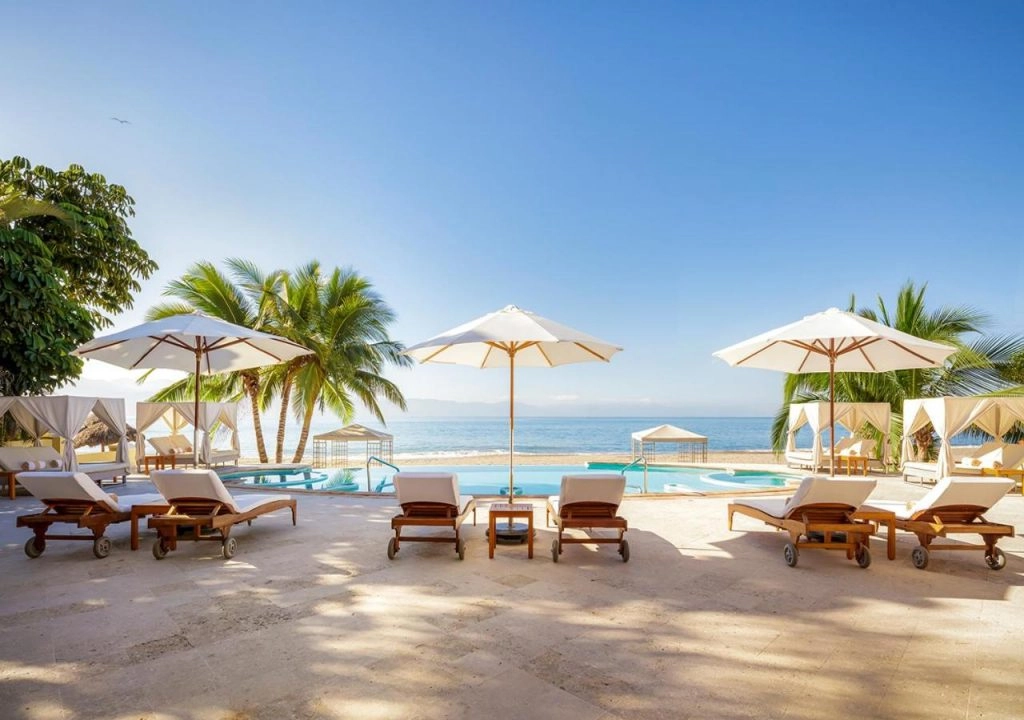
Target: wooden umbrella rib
{"x":598,"y":355}
{"x":905,"y":349}
{"x":540,"y":349}
{"x":433,"y":355}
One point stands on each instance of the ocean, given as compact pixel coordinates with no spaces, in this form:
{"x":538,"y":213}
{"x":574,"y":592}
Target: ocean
{"x":469,"y":436}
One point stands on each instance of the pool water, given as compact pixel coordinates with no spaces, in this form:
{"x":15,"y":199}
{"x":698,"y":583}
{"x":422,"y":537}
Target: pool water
{"x":529,"y":479}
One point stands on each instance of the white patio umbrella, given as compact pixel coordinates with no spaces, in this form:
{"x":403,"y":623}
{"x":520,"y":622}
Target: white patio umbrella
{"x":508,"y":338}
{"x":835,"y":341}
{"x":192,"y":343}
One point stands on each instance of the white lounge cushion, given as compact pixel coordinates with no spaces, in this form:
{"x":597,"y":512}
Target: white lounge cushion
{"x":205,"y":484}
{"x":78,"y":486}
{"x":593,"y":487}
{"x":978,"y":492}
{"x":436,"y":487}
{"x":12,"y":459}
{"x":851,"y":492}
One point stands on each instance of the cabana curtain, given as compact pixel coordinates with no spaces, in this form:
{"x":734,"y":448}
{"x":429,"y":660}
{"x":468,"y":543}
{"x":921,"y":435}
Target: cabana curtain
{"x":850,"y":415}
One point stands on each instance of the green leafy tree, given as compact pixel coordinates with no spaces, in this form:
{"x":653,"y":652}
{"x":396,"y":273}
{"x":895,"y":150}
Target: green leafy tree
{"x":979,"y":366}
{"x":87,"y":234}
{"x":345,"y":322}
{"x":246,"y":297}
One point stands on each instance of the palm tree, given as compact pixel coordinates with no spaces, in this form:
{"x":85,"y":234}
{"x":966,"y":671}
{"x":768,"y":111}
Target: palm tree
{"x":979,"y":366}
{"x":14,"y":205}
{"x":247,"y":298}
{"x":345,"y":322}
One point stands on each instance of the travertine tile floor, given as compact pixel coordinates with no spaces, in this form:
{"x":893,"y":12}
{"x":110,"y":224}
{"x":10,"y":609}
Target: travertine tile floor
{"x":315,"y":622}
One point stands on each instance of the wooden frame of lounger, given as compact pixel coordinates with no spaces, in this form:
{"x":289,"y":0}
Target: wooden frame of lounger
{"x":90,"y":515}
{"x":209,"y":519}
{"x":586,"y":515}
{"x":941,"y":522}
{"x":826,"y":519}
{"x":430,"y":514}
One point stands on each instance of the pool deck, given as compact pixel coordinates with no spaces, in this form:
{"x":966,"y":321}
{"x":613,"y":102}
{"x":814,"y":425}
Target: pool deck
{"x":315,"y":622}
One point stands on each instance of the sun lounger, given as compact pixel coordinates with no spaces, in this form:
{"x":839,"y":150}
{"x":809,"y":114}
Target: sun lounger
{"x":588,"y":501}
{"x":819,"y":517}
{"x":199,"y":501}
{"x":954,"y":506}
{"x":177,"y":446}
{"x":73,"y":497}
{"x":430,"y":500}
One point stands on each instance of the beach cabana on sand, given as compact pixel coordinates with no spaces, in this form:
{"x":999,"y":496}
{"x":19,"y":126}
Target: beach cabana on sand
{"x":949,"y":416}
{"x":690,"y":447}
{"x":851,"y":416}
{"x":178,"y":415}
{"x":330,"y":449}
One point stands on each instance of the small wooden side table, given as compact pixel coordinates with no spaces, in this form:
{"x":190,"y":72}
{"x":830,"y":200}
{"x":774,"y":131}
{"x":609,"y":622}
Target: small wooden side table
{"x":509,"y":511}
{"x":159,"y":461}
{"x":1016,"y":474}
{"x":881,"y":517}
{"x":855,"y":462}
{"x":140,"y":511}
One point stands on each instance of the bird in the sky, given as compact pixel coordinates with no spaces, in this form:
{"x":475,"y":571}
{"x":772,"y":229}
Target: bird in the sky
{"x":123,"y":122}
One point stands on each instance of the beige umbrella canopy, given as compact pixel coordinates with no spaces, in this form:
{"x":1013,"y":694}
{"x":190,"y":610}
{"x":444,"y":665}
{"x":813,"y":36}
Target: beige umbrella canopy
{"x":97,"y":432}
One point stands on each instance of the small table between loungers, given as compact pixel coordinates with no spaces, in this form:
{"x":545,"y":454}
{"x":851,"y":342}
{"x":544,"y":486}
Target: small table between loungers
{"x":509,"y":511}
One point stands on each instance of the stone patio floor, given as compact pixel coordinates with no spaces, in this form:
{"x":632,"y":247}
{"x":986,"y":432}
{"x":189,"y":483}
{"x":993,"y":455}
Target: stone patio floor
{"x":315,"y":622}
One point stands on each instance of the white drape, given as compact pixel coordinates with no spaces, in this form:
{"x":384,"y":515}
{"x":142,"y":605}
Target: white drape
{"x":849,"y":415}
{"x":176,"y":415}
{"x":948,"y":416}
{"x":112,"y":412}
{"x":64,"y":415}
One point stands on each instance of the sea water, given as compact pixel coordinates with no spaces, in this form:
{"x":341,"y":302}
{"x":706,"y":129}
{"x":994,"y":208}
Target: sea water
{"x":475,"y":436}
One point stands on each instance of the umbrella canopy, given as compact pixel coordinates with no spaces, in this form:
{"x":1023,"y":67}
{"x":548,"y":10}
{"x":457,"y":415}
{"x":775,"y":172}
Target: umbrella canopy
{"x":192,"y":343}
{"x":97,"y":432}
{"x":507,"y":338}
{"x":835,"y":341}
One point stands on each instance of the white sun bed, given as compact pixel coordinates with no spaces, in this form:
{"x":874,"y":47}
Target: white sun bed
{"x":430,"y":499}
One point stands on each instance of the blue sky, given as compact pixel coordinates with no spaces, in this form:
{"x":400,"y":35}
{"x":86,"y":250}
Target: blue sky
{"x":674,"y":177}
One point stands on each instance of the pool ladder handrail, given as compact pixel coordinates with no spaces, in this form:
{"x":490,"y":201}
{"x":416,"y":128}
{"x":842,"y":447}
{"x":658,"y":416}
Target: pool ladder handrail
{"x":369,"y":460}
{"x":639,"y":460}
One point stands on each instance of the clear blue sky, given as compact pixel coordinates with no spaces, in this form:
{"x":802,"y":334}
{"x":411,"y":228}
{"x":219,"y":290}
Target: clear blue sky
{"x":674,"y":177}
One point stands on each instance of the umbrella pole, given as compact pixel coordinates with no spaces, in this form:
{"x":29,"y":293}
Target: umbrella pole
{"x":832,"y":409}
{"x":195,"y":409}
{"x":511,"y":423}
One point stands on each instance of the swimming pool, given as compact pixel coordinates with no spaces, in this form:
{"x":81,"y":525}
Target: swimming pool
{"x":529,"y":479}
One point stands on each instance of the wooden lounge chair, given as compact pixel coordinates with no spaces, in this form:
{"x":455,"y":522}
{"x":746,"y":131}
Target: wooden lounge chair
{"x":430,"y":500}
{"x":954,"y":506}
{"x":73,"y":497}
{"x":585,"y":502}
{"x":818,"y":516}
{"x":199,"y":501}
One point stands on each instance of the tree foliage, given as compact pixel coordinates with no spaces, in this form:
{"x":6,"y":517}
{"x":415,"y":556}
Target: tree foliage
{"x":67,"y":257}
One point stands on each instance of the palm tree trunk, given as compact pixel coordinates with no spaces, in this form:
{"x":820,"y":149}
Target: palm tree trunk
{"x":307,"y":420}
{"x":251,"y":383}
{"x":286,"y":391}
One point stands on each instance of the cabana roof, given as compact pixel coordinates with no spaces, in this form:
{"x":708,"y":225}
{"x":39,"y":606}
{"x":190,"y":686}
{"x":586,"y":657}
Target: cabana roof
{"x":354,"y":433}
{"x":668,"y":433}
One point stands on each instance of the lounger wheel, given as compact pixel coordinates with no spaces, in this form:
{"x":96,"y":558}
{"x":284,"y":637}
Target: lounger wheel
{"x":863,"y":557}
{"x":555,"y":550}
{"x":791,"y":554}
{"x":32,"y":549}
{"x":392,"y":548}
{"x":624,"y":550}
{"x":101,"y":546}
{"x":919,"y":556}
{"x":228,"y":548}
{"x":160,"y":549}
{"x":996,"y":560}
{"x":460,"y":548}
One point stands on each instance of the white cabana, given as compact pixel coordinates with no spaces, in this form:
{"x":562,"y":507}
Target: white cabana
{"x":690,"y":445}
{"x":851,"y":416}
{"x":950,"y":416}
{"x":330,"y":449}
{"x":178,"y":415}
{"x":63,"y":416}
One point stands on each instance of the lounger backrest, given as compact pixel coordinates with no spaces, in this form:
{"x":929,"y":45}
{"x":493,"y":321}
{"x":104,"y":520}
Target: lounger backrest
{"x":841,"y":445}
{"x":851,"y":492}
{"x":422,"y":487}
{"x":13,"y":459}
{"x":861,"y":447}
{"x":1008,"y":456}
{"x":171,"y":445}
{"x":953,"y":491}
{"x":62,"y":485}
{"x":980,"y":452}
{"x":594,"y":487}
{"x":205,"y":484}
